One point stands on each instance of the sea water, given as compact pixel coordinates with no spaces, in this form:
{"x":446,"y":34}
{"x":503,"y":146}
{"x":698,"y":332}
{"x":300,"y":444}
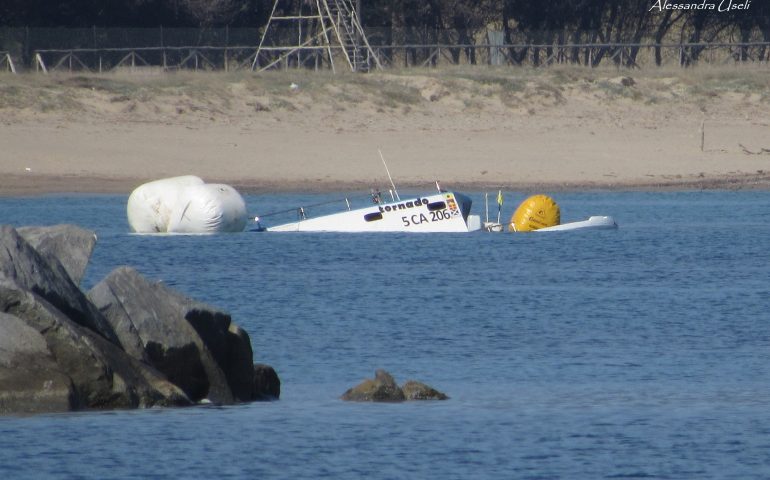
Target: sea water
{"x":642,"y":352}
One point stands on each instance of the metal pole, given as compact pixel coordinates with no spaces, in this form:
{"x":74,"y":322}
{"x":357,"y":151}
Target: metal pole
{"x":389,"y":177}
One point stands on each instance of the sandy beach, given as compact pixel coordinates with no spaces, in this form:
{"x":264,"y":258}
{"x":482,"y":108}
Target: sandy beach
{"x":521,"y":129}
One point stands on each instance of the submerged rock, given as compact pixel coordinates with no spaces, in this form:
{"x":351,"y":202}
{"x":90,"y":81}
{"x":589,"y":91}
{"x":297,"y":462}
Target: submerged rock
{"x":414,"y":390}
{"x":383,"y":388}
{"x":266,"y":384}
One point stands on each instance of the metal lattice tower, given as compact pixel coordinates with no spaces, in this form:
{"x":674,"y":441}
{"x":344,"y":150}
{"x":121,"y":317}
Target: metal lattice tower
{"x":321,"y":30}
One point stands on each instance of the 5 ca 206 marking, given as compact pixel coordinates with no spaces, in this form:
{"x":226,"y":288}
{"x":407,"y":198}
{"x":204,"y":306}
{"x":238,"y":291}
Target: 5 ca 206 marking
{"x":418,"y":219}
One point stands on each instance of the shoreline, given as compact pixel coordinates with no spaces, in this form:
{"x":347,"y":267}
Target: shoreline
{"x":557,"y":129}
{"x":32,"y":185}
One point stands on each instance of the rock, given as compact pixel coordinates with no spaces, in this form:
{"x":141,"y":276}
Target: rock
{"x":382,"y":388}
{"x":190,"y":342}
{"x":248,"y":381}
{"x":102,"y":375}
{"x":623,"y":81}
{"x":266,"y":384}
{"x":46,"y":277}
{"x":134,"y":384}
{"x":30,"y":380}
{"x":239,"y":368}
{"x":69,"y":244}
{"x":414,"y":390}
{"x":130,"y":343}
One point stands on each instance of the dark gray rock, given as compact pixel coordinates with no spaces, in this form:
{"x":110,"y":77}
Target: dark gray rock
{"x":266,"y":384}
{"x":134,"y":383}
{"x":382,"y":388}
{"x":414,"y":390}
{"x":46,"y":277}
{"x":69,"y":244}
{"x":239,"y":367}
{"x":101,"y":374}
{"x":155,"y":347}
{"x":30,"y":379}
{"x":185,"y":339}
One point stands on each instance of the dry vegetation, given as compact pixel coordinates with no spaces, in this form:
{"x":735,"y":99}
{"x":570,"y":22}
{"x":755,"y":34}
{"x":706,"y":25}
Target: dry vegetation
{"x":227,"y":96}
{"x":558,"y":127}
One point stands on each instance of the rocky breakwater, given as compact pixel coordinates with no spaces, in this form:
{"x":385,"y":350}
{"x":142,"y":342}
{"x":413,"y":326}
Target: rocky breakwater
{"x":127,"y":343}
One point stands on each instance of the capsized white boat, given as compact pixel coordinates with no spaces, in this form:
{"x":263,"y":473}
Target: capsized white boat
{"x":440,"y":212}
{"x":596,"y":222}
{"x":444,"y":211}
{"x":540,"y":213}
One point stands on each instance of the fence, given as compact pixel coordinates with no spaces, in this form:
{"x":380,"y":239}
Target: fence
{"x":101,"y":50}
{"x":241,"y":57}
{"x":6,"y":62}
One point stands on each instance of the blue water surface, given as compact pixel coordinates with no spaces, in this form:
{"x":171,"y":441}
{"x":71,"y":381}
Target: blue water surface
{"x":637,"y":353}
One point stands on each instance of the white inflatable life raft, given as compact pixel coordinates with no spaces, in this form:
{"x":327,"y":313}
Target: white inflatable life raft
{"x":185,"y":204}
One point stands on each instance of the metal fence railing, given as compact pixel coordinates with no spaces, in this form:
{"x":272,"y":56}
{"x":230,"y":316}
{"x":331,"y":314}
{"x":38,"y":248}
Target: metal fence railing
{"x":229,"y":49}
{"x":234,"y":58}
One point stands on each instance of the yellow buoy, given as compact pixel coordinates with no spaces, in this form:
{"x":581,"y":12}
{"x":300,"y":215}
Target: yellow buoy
{"x":536,"y":212}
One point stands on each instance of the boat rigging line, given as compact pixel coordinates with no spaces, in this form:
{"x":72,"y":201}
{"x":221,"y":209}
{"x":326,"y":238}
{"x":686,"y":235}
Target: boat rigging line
{"x":389,"y":177}
{"x":301,"y":210}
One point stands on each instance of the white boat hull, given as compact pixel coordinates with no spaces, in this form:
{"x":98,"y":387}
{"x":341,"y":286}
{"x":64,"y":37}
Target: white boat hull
{"x":595,"y":223}
{"x":441,"y":212}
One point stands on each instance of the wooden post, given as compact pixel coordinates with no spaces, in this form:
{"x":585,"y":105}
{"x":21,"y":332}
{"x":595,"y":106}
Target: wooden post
{"x":26,"y":46}
{"x":227,"y":42}
{"x":163,"y":49}
{"x":702,"y":134}
{"x":9,"y":61}
{"x":39,"y":64}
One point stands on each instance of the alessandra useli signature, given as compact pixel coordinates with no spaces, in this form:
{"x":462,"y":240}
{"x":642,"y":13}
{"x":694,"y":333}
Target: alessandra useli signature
{"x":722,"y":6}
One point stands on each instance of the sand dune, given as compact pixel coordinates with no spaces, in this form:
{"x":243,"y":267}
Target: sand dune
{"x":479,"y":128}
